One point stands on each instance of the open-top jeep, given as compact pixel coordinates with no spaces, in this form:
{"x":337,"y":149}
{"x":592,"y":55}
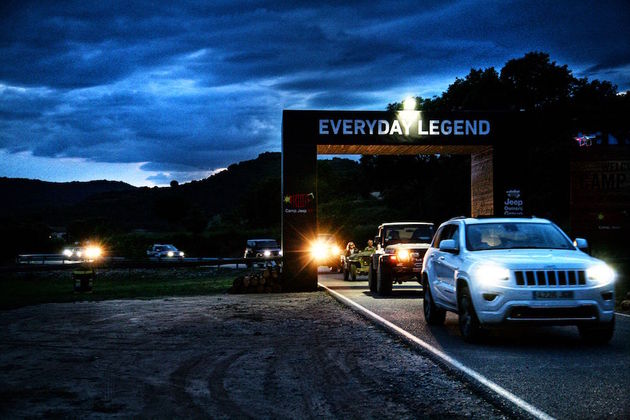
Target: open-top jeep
{"x":400,"y":248}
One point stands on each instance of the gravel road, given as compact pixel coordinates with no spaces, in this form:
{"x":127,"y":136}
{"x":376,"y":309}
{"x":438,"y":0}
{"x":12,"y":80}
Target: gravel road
{"x":263,"y":356}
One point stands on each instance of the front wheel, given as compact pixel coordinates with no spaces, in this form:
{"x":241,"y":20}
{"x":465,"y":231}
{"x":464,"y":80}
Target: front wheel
{"x":372,"y":279}
{"x":597,"y":334}
{"x":432,"y":314}
{"x":469,"y":324}
{"x":383,"y":281}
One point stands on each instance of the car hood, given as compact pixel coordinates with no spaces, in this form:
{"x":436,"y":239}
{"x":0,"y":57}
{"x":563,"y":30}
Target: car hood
{"x":548,"y":259}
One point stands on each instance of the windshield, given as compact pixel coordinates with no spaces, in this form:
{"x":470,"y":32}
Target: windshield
{"x":165,"y":248}
{"x":408,"y":234}
{"x":266,"y":244}
{"x":510,"y":235}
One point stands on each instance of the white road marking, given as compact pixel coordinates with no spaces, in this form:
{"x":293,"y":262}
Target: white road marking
{"x":626,"y":315}
{"x":454,"y":363}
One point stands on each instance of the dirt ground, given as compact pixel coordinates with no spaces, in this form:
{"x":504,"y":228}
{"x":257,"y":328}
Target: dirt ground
{"x":237,"y":356}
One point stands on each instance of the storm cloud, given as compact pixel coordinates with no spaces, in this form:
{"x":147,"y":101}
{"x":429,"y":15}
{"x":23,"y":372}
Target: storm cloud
{"x":189,"y":88}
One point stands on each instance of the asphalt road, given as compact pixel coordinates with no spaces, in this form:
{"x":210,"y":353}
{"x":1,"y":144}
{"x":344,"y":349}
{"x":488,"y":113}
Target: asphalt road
{"x":548,"y":367}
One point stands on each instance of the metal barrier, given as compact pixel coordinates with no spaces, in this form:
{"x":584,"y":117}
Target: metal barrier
{"x":45,"y":262}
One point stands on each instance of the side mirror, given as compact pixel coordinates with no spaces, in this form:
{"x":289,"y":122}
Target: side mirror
{"x":449,"y":245}
{"x":581,"y":244}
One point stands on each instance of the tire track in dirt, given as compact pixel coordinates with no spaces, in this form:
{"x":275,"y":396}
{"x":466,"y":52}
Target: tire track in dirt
{"x":218,"y":394}
{"x":177,"y":387}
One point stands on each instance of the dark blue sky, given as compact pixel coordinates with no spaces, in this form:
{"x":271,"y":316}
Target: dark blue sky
{"x":154,"y":91}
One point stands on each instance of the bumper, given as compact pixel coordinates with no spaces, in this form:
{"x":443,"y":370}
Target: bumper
{"x":521,"y":305}
{"x":403,"y":269}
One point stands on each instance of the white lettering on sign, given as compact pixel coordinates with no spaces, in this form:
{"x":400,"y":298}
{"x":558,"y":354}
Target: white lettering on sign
{"x":403,"y":126}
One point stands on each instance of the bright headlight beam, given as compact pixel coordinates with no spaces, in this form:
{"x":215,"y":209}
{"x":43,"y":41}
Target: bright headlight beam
{"x":403,"y":255}
{"x":601,"y":274}
{"x":491,"y":274}
{"x":93,"y":252}
{"x":267,"y":253}
{"x":318,"y":251}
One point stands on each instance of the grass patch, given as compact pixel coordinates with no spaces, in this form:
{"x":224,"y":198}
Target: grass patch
{"x":22,"y":289}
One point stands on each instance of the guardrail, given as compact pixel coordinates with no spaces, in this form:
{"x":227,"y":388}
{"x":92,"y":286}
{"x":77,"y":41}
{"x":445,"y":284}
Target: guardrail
{"x":45,"y":262}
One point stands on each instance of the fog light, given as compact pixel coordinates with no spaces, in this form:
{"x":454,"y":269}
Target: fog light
{"x":489,"y":296}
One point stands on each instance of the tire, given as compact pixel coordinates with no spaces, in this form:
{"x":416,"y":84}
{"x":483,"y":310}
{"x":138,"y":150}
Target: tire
{"x":346,"y":274}
{"x":597,"y":334}
{"x":372,"y":279}
{"x":383,"y":281}
{"x":353,"y":272}
{"x":432,"y":314}
{"x":469,"y":325}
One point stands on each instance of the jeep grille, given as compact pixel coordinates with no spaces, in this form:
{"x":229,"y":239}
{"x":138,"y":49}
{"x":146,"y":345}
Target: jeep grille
{"x":550,"y":278}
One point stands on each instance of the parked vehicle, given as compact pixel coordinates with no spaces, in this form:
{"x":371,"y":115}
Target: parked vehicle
{"x":400,"y":248}
{"x":499,"y":271}
{"x":165,"y":251}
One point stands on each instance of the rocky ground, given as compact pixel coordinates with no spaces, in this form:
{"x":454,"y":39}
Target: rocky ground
{"x":237,"y":356}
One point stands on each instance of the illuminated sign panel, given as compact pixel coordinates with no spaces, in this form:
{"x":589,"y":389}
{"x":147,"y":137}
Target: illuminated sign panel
{"x":408,"y":123}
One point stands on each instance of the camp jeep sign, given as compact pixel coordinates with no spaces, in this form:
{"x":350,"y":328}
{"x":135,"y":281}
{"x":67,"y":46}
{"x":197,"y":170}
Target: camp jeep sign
{"x":408,"y":123}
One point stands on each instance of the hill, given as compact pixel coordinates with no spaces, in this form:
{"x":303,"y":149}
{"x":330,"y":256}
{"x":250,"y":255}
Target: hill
{"x":29,"y":195}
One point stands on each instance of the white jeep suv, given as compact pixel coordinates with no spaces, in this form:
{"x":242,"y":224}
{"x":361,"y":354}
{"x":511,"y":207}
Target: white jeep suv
{"x":494,"y":271}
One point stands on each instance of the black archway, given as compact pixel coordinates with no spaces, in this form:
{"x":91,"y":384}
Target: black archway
{"x":498,"y":165}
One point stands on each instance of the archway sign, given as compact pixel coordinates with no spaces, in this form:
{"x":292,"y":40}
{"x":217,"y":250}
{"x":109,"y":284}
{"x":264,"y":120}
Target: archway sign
{"x":494,"y":140}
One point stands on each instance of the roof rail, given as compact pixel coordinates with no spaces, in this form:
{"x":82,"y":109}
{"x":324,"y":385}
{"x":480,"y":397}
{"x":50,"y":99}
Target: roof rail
{"x":458,"y":218}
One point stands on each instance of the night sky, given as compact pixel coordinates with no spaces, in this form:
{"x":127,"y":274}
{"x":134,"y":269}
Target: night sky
{"x":150,"y":92}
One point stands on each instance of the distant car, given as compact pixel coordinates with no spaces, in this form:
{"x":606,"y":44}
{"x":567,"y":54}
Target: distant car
{"x":165,"y":251}
{"x":75,"y":253}
{"x":89,"y":252}
{"x":327,"y":252}
{"x":498,"y":271}
{"x":262,"y":248}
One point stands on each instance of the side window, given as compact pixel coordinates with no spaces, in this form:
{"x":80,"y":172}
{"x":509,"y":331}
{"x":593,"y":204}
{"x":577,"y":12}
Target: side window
{"x":446,"y":232}
{"x":455,"y":234}
{"x":438,"y":237}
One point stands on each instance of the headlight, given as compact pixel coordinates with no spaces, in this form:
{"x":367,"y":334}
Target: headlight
{"x":170,"y":253}
{"x":491,"y":274}
{"x":318,"y":251}
{"x":181,"y":254}
{"x":92,"y":252}
{"x":267,"y":253}
{"x":79,"y":254}
{"x":67,"y":253}
{"x":335,"y":251}
{"x":601,"y":274}
{"x":403,"y":255}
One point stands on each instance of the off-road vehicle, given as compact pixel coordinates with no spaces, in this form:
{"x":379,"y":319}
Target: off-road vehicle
{"x":400,"y":248}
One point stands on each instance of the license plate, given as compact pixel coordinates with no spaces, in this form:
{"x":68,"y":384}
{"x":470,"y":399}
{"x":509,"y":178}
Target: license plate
{"x":552,"y":294}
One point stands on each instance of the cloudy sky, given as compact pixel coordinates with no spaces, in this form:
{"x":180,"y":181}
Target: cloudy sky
{"x":151,"y":91}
